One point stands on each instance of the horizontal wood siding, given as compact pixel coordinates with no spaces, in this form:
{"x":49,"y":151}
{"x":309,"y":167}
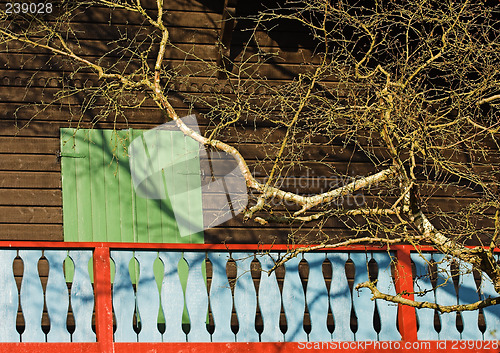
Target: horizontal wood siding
{"x":30,"y":169}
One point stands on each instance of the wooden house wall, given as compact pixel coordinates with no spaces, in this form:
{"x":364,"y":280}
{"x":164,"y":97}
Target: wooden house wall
{"x":30,"y":180}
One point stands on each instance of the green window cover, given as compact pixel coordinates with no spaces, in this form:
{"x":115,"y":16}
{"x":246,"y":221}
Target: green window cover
{"x":100,"y":202}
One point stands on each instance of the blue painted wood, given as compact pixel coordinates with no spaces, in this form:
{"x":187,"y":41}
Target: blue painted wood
{"x":364,"y":307}
{"x":317,"y":297}
{"x":423,"y":284}
{"x":245,"y":299}
{"x":82,"y":297}
{"x":123,"y":297}
{"x":148,"y":297}
{"x":269,"y":300}
{"x":294,"y":302}
{"x":8,"y":298}
{"x":31,"y":297}
{"x":196,"y":297}
{"x":172,"y":297}
{"x":491,"y":313}
{"x":388,"y":311}
{"x":467,"y":294}
{"x":57,"y":297}
{"x":340,"y":298}
{"x":446,"y":295}
{"x":221,"y":300}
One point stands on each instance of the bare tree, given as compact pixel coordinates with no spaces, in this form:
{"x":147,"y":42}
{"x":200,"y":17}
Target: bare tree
{"x":413,"y":85}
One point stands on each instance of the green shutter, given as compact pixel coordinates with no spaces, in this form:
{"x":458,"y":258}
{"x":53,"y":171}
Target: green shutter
{"x":99,"y":200}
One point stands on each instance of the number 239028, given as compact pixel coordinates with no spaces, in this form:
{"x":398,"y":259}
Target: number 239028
{"x":28,"y":7}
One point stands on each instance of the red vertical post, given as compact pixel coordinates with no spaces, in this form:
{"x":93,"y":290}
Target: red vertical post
{"x":407,"y":320}
{"x":103,"y":299}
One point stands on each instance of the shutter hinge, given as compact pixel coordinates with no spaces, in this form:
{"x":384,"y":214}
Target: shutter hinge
{"x":69,"y":155}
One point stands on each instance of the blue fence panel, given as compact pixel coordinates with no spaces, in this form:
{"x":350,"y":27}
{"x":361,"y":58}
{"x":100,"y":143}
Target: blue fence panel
{"x":491,"y":313}
{"x":269,"y":300}
{"x":446,"y":295}
{"x":317,"y":297}
{"x":388,"y":312}
{"x":57,"y":297}
{"x":340,"y":298}
{"x":8,"y":298}
{"x":123,"y":297}
{"x":32,"y":297}
{"x":294,"y":302}
{"x":363,"y":305}
{"x":148,"y":297}
{"x":172,"y":297}
{"x":245,"y":299}
{"x":425,"y":292}
{"x":82,"y":297}
{"x":221,"y":300}
{"x":196,"y":297}
{"x":468,"y":293}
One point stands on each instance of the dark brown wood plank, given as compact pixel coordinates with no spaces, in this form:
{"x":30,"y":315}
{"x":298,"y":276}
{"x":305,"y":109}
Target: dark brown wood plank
{"x":33,"y":232}
{"x":30,"y":197}
{"x":24,"y":145}
{"x":40,"y":215}
{"x":34,"y":180}
{"x":271,"y":71}
{"x":20,"y":162}
{"x":192,"y":52}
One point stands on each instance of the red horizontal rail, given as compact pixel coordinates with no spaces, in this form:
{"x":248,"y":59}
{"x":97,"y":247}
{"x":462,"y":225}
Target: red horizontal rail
{"x":205,"y":247}
{"x":261,"y":347}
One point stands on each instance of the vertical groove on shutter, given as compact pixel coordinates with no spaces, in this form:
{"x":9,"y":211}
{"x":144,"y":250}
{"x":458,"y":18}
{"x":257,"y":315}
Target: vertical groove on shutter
{"x":97,"y":149}
{"x":69,"y":187}
{"x":111,"y":184}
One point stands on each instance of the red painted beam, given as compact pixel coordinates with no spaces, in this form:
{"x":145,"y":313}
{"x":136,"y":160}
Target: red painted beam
{"x":103,"y":300}
{"x":407,"y":320}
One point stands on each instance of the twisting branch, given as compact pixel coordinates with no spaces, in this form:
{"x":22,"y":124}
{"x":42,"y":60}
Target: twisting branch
{"x":399,"y":299}
{"x":365,"y":240}
{"x":489,"y":99}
